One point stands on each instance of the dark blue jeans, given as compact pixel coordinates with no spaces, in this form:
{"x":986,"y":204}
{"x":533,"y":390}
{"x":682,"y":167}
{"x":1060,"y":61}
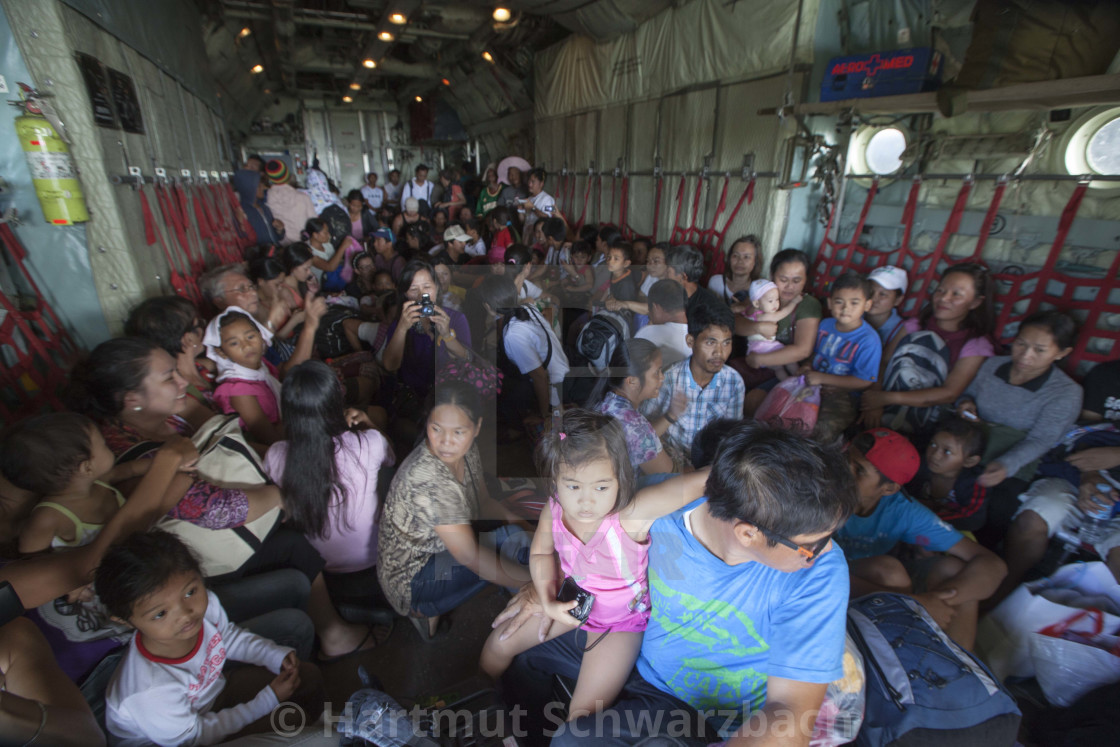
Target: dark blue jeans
{"x":444,"y":583}
{"x":642,"y":715}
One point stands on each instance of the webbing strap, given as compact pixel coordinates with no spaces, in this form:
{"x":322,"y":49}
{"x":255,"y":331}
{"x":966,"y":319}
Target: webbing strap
{"x":850,"y":254}
{"x":1069,"y":213}
{"x":908,"y":212}
{"x":744,"y":199}
{"x":677,"y":219}
{"x":989,"y":218}
{"x":951,"y":226}
{"x":152,"y":234}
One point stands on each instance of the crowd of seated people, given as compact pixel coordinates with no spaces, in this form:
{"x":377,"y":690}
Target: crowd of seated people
{"x":276,"y":477}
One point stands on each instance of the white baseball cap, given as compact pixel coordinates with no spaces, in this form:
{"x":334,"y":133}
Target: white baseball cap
{"x":455,"y":232}
{"x":890,"y":277}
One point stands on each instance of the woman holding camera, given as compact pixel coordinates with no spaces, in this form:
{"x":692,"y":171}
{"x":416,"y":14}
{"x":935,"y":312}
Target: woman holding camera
{"x":422,"y":339}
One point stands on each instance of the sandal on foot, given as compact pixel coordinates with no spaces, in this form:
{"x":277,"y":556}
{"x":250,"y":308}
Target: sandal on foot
{"x":377,"y":633}
{"x":424,"y":629}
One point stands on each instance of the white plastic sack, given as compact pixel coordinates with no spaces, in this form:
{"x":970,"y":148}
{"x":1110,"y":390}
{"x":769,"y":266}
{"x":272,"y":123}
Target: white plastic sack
{"x":841,"y":713}
{"x":1067,"y":668}
{"x":1003,"y":636}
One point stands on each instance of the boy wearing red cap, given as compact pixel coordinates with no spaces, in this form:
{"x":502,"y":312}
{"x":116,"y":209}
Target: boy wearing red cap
{"x":949,"y":585}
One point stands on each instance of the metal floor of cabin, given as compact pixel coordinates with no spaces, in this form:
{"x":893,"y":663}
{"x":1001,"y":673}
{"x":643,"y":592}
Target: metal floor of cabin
{"x":413,"y":671}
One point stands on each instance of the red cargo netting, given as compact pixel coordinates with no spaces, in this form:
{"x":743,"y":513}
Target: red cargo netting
{"x":1019,"y":294}
{"x":35,"y":348}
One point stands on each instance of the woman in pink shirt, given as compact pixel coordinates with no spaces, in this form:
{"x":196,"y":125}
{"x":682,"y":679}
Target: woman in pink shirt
{"x":939,"y":355}
{"x":327,"y":470}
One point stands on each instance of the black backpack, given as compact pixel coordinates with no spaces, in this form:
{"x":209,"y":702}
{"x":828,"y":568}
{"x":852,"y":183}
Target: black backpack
{"x":604,"y":333}
{"x":923,"y":689}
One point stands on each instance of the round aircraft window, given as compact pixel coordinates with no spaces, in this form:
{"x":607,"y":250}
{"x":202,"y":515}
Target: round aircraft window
{"x":1103,"y":151}
{"x":1091,"y":147}
{"x":884,"y":151}
{"x":877,"y":151}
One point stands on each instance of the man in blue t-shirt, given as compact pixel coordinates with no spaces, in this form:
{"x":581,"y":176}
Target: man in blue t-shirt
{"x":748,"y":599}
{"x":952,"y":583}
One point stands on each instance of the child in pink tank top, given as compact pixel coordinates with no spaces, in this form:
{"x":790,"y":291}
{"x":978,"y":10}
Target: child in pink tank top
{"x":595,"y":531}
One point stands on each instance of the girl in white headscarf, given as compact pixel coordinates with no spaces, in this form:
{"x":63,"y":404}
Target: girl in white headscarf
{"x":246,"y":382}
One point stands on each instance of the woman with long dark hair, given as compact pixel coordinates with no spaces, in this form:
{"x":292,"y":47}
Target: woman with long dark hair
{"x":297,"y":261}
{"x":425,"y":336}
{"x":327,"y":469}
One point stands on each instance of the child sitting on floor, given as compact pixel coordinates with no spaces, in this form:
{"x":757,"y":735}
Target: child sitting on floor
{"x":247,"y":383}
{"x":946,"y":481}
{"x":170,"y":688}
{"x":846,"y":357}
{"x":593,"y":534}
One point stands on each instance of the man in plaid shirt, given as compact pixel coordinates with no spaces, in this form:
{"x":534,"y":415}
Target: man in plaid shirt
{"x":700,"y":388}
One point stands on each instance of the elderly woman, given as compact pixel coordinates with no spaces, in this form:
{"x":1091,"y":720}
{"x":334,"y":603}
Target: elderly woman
{"x":430,"y":560}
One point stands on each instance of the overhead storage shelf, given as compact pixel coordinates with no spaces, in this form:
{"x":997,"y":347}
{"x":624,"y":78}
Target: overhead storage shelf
{"x":1067,"y":93}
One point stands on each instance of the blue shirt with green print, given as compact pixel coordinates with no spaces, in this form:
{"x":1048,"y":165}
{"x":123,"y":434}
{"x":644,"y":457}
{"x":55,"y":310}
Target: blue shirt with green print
{"x":717,"y":631}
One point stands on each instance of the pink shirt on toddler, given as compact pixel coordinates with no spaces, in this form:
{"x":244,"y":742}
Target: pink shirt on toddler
{"x":612,"y":566}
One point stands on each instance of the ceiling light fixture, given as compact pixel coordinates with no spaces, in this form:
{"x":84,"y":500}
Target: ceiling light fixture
{"x":371,"y":64}
{"x":501,"y":15}
{"x":488,"y":57}
{"x":446,"y":82}
{"x":355,"y":86}
{"x":244,"y":32}
{"x":258,"y":68}
{"x":398,"y":18}
{"x":419,"y":99}
{"x":347,"y":99}
{"x":385,"y":36}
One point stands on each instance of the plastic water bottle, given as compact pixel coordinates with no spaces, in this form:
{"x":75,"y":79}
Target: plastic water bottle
{"x":375,"y":717}
{"x":1092,"y":527}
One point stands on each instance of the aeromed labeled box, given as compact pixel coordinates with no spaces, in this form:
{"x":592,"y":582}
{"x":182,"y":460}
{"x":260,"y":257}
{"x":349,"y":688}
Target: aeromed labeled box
{"x":892,"y":73}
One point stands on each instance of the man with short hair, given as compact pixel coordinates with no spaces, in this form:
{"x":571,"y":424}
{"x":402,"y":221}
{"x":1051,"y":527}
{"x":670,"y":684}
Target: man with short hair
{"x":686,"y":265}
{"x":385,"y":256}
{"x":540,"y":204}
{"x":371,"y":193}
{"x":709,"y":388}
{"x":748,"y":598}
{"x":228,"y":285}
{"x":393,"y":189}
{"x":668,"y":324}
{"x":420,"y":189}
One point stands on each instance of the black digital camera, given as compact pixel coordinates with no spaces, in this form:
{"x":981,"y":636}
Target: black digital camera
{"x":427,"y":308}
{"x":571,"y":592}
